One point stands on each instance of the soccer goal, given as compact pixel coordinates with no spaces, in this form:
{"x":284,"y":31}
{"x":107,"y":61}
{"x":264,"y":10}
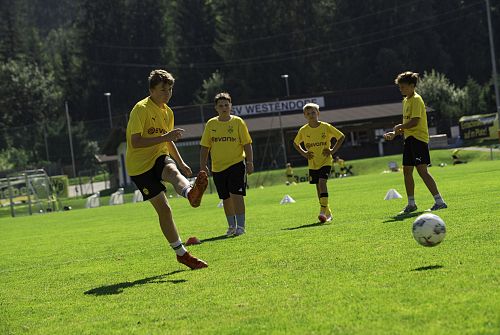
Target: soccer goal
{"x":28,"y":192}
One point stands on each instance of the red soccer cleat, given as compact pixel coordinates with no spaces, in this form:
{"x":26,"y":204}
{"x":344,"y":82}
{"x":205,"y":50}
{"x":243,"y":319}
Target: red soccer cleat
{"x":322,"y":217}
{"x":191,"y":262}
{"x":196,"y":193}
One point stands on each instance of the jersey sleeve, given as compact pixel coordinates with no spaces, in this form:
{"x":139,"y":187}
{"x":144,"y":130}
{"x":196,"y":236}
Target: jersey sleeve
{"x":170,"y":119}
{"x":335,"y":132}
{"x":206,"y":141}
{"x":136,"y":122}
{"x":298,"y":138}
{"x":417,"y":108}
{"x":243,"y":133}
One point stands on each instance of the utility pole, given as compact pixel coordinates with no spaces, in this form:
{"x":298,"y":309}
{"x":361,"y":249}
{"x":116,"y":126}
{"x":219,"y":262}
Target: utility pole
{"x":70,"y":139}
{"x":108,"y":97}
{"x":284,"y":76}
{"x":493,"y":60}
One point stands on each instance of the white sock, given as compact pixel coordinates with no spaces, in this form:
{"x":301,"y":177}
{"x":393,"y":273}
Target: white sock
{"x":438,"y":199}
{"x":411,"y":200}
{"x":185,"y":191}
{"x":178,"y":247}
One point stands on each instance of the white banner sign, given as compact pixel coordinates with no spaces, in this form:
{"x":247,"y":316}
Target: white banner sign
{"x":275,"y":106}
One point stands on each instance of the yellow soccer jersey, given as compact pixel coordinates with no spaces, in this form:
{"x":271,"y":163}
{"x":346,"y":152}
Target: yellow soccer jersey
{"x":149,"y":120}
{"x":317,"y":139}
{"x":225,"y":139}
{"x":415,"y":107}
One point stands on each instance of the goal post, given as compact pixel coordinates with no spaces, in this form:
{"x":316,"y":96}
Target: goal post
{"x":28,"y":192}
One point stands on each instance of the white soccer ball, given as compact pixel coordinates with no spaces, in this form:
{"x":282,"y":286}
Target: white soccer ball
{"x":429,"y":230}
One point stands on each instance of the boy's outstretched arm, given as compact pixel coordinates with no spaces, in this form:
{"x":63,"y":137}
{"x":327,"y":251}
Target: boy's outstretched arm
{"x":143,"y":142}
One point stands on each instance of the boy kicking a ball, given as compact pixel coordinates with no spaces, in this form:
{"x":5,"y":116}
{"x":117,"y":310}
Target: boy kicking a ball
{"x":416,"y":138}
{"x":150,"y":146}
{"x":316,"y":137}
{"x":229,"y":144}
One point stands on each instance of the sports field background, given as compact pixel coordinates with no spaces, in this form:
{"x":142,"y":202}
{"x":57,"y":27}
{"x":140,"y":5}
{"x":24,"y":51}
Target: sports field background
{"x":109,"y":270}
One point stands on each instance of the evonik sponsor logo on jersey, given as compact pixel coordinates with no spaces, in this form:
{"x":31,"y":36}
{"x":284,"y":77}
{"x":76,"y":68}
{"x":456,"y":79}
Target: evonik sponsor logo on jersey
{"x":315,"y":144}
{"x":153,"y":130}
{"x":223,"y":139}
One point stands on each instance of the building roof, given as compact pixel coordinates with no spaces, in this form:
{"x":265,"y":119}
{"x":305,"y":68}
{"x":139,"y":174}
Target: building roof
{"x":296,"y":120}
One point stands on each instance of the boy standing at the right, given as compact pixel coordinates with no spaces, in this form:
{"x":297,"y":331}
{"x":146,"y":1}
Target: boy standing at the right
{"x":416,"y":139}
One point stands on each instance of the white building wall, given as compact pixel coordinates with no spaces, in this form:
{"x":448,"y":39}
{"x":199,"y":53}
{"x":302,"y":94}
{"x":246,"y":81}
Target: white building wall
{"x":123,"y":176}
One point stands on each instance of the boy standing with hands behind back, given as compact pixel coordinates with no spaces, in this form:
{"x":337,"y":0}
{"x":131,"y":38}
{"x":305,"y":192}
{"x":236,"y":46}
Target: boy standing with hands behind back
{"x":316,"y":137}
{"x":227,"y":140}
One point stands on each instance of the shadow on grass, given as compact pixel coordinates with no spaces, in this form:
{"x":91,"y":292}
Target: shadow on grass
{"x":429,"y":267}
{"x":217,"y":238}
{"x":311,"y":225}
{"x":403,"y":217}
{"x":118,"y":288}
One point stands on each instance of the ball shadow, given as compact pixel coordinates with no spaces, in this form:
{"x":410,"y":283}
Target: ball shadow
{"x":403,"y":217}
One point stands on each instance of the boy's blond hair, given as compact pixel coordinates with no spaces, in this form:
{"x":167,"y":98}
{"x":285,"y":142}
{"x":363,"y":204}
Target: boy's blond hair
{"x":310,"y":105}
{"x":222,"y":96}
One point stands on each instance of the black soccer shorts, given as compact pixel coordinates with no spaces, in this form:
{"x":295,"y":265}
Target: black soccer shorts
{"x":231,"y":180}
{"x":415,"y":152}
{"x":149,"y":182}
{"x":323,"y":173}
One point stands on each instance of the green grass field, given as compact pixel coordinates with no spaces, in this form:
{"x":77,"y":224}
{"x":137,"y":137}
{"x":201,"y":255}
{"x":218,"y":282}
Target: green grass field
{"x":109,"y":270}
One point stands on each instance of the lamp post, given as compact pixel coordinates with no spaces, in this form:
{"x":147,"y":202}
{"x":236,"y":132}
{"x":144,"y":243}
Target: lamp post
{"x":284,"y":76}
{"x":68,"y":120}
{"x":108,"y":97}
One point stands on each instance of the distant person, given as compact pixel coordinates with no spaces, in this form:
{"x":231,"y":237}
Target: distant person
{"x":227,"y":140}
{"x":313,"y":142}
{"x":343,"y":168}
{"x":338,"y":166}
{"x":416,"y":139}
{"x":456,"y":158}
{"x":150,"y":149}
{"x":289,"y":174}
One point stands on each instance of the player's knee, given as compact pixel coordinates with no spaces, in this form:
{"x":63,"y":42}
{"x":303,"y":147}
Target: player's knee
{"x":169,"y":171}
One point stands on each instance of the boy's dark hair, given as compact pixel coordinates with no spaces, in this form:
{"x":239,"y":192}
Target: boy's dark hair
{"x":160,"y":76}
{"x":222,"y":96}
{"x":407,"y":77}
